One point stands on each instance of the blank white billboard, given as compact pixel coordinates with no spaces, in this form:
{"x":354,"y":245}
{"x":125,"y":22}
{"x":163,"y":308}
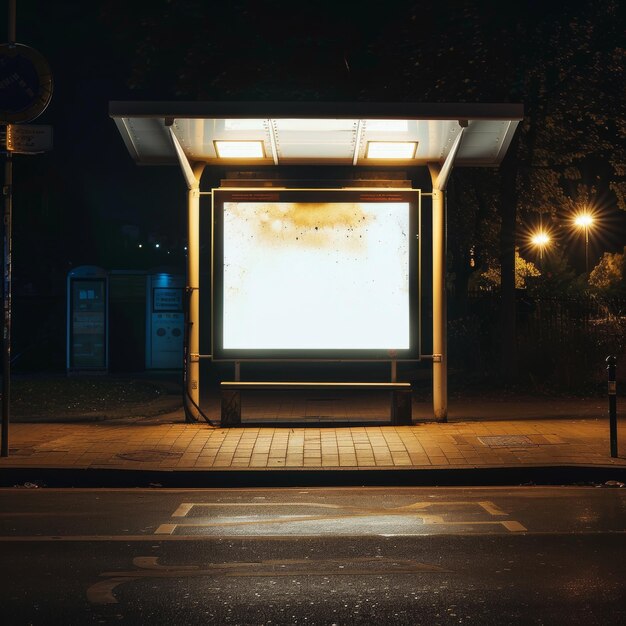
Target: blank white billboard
{"x":315,"y":276}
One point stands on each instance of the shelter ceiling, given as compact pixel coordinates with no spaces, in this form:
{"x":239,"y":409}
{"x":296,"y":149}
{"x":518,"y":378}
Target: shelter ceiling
{"x":320,"y":133}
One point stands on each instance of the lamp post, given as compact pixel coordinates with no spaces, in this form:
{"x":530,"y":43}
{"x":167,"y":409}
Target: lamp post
{"x":584,"y":221}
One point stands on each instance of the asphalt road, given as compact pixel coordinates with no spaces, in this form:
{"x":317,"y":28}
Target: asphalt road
{"x":529,"y":555}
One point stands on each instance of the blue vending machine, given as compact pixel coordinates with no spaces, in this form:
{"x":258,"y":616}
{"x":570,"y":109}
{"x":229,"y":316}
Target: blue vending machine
{"x":87,"y":320}
{"x":165,"y":328}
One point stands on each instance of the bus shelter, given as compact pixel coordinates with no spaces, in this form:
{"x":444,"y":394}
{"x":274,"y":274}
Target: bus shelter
{"x":262,"y":230}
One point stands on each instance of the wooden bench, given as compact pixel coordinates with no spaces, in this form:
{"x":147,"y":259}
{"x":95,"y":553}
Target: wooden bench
{"x":231,"y":396}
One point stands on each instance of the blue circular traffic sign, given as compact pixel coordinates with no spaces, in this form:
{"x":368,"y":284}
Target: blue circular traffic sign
{"x":25,"y":84}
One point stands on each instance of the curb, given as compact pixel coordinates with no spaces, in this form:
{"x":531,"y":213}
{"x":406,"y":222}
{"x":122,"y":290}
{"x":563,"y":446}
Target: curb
{"x":201,"y":479}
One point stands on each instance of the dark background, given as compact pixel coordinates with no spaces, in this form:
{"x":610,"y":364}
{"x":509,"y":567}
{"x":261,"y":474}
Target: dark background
{"x":86,"y":202}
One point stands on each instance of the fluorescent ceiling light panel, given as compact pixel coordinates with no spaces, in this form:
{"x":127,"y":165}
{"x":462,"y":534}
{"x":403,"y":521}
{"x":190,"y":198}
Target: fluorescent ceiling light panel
{"x":315,"y":125}
{"x":388,"y":126}
{"x":239,"y":149}
{"x":255,"y":124}
{"x":391,"y":149}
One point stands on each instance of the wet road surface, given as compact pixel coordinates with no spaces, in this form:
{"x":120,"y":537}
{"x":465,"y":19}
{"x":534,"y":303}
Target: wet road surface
{"x":530,"y":555}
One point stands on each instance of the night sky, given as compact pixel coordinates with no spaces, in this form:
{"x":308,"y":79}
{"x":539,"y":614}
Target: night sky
{"x":88,"y":203}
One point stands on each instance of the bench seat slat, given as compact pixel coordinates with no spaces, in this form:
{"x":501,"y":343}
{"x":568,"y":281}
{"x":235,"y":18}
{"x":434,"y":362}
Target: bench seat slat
{"x":314,"y":385}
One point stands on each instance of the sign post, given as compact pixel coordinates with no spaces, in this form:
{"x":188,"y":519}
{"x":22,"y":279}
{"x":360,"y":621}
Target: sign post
{"x":25,"y":92}
{"x":611,"y":363}
{"x":6,"y":301}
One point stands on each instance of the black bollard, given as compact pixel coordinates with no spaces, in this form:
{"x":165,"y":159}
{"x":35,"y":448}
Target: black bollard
{"x":611,"y":361}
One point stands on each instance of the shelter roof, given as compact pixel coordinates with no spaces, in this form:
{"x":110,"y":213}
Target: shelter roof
{"x":294,"y":133}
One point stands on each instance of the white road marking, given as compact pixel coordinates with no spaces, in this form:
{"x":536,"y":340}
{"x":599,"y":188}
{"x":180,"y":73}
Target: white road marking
{"x":185,"y":508}
{"x":165,"y":529}
{"x":491,"y":508}
{"x":509,"y":525}
{"x":152,"y":563}
{"x":487,"y":506}
{"x":102,"y":592}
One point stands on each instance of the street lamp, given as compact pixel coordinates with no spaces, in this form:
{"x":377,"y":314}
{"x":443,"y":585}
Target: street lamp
{"x":540,"y":239}
{"x":584,"y":221}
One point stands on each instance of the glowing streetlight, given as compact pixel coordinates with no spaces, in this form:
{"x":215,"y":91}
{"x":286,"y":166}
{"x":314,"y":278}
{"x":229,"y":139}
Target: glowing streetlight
{"x":540,"y":239}
{"x":585,"y":221}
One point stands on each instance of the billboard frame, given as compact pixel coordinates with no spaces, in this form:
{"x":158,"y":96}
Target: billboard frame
{"x":330,"y":194}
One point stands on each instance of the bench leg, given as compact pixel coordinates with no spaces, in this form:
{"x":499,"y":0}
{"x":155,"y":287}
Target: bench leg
{"x":231,"y":409}
{"x":401,"y":413}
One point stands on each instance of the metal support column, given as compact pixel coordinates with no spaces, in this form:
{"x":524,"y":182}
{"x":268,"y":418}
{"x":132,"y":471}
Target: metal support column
{"x":193,"y":287}
{"x":440,"y":348}
{"x":192,"y":174}
{"x":439,"y":175}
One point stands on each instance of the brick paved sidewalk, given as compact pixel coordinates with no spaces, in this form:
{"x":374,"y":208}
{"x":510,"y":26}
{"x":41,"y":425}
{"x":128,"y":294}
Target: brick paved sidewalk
{"x":177,"y":446}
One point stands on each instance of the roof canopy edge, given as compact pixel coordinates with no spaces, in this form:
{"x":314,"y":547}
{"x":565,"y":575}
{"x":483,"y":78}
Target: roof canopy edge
{"x":331,"y":110}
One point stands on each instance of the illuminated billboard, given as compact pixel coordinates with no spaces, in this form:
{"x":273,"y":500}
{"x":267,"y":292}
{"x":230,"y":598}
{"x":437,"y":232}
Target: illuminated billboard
{"x":327,"y":274}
